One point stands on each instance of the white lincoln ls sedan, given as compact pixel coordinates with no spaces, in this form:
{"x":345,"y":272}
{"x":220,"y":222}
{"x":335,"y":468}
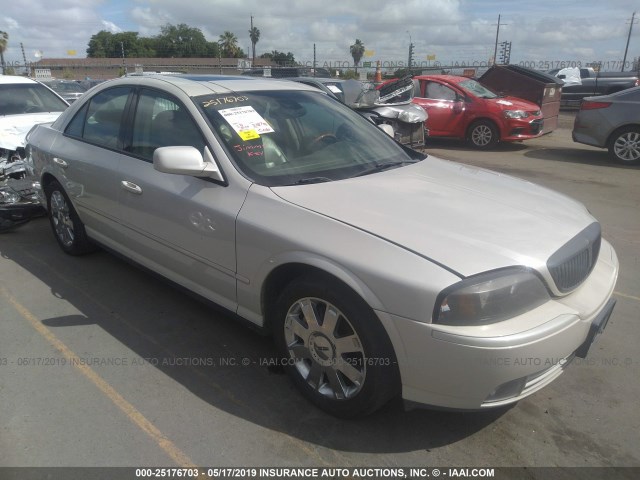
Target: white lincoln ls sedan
{"x":379,"y":271}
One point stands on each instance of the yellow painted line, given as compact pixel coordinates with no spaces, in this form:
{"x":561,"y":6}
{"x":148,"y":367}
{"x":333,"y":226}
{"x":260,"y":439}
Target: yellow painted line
{"x":624,"y":295}
{"x":116,"y":316}
{"x":118,"y":400}
{"x":218,"y":388}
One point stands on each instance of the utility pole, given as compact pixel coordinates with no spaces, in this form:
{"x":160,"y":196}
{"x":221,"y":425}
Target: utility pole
{"x":495,"y":50}
{"x":124,"y":68}
{"x":624,"y":60}
{"x":410,"y":61}
{"x":253,"y":46}
{"x":24,"y":59}
{"x":314,"y":59}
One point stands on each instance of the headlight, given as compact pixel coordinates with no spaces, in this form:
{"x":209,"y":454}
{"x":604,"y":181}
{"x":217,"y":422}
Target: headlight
{"x":490,"y":297}
{"x":515,"y":114}
{"x":8,"y":196}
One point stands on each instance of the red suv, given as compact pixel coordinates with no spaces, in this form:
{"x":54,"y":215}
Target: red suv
{"x":460,"y":107}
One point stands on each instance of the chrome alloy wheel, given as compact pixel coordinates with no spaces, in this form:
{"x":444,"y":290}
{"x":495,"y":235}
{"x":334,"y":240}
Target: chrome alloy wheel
{"x":482,"y":135}
{"x":62,"y":222}
{"x":325,"y":348}
{"x":627,"y":146}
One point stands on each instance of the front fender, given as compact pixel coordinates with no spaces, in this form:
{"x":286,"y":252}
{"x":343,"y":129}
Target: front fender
{"x":272,"y":233}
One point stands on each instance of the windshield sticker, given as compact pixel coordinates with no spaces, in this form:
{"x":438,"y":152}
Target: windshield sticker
{"x":224,"y":101}
{"x":248,"y":135}
{"x":334,"y":89}
{"x":247,"y":123}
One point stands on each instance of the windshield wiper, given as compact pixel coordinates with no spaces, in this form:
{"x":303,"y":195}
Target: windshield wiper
{"x":303,"y":181}
{"x":379,"y":167}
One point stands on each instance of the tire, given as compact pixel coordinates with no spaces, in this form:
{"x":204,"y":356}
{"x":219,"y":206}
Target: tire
{"x":483,"y":134}
{"x":346,"y":367}
{"x":624,"y":146}
{"x":67,"y":227}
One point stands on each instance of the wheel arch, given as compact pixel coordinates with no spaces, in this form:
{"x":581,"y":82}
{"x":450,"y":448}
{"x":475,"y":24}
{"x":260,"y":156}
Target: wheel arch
{"x":618,"y":129}
{"x":47,"y":178}
{"x":285,"y":273}
{"x":496,"y":125}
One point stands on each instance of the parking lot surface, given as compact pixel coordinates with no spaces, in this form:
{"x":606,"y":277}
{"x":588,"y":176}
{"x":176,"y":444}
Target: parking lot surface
{"x":103,"y":364}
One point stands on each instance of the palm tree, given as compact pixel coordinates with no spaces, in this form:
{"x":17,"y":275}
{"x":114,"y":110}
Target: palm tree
{"x":229,"y":44}
{"x":357,"y":50}
{"x":254,"y":35}
{"x":4,"y":40}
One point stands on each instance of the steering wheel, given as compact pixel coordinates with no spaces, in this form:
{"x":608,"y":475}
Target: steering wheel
{"x":31,"y":109}
{"x":325,"y":138}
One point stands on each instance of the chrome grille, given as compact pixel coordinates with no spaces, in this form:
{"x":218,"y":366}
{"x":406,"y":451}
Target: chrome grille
{"x":573,"y":262}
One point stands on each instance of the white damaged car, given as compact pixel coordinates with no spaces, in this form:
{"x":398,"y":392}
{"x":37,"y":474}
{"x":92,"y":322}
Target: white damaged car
{"x":23,"y":104}
{"x":379,"y":271}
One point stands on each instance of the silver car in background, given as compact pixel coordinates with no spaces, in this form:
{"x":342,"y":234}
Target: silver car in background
{"x":379,"y":271}
{"x":611,"y":122}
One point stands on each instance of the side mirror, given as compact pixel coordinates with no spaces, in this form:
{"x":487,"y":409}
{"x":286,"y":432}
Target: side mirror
{"x":458,"y":106}
{"x":186,"y":161}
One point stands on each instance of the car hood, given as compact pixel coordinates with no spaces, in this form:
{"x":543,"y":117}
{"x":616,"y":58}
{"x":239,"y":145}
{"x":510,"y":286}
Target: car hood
{"x":466,"y":219}
{"x":514,"y":103}
{"x":14,"y":128}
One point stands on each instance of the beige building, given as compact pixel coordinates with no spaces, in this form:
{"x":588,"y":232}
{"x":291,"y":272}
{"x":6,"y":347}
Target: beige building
{"x":104,"y":68}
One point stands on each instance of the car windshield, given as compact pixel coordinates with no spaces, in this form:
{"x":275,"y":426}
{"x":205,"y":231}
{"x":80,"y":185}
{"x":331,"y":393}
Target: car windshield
{"x":291,"y":137}
{"x":16,"y":99}
{"x":477,"y":89}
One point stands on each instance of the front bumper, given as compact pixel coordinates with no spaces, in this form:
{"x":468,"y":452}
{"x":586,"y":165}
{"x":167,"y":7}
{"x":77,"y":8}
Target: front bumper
{"x":522,"y":129}
{"x":16,"y":214}
{"x":490,"y":366}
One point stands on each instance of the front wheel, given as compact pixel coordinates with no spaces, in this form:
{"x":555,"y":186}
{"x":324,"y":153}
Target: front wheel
{"x":624,"y":146}
{"x":483,"y":134}
{"x":65,"y":223}
{"x":334,"y":348}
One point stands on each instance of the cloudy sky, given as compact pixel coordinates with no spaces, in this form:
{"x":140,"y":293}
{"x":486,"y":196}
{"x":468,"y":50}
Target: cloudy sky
{"x":455,"y":31}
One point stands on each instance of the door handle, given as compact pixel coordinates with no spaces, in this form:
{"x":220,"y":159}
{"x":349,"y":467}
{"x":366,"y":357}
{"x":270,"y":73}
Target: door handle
{"x":60,"y":162}
{"x":131,"y":187}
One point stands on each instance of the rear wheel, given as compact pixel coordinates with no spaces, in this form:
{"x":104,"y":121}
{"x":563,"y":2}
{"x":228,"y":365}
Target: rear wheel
{"x":334,"y":348}
{"x":624,"y":146}
{"x":483,"y":134}
{"x":65,"y":223}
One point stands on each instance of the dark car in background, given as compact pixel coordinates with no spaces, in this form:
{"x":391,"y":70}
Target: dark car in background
{"x":67,"y":89}
{"x":611,"y":122}
{"x":585,"y":82}
{"x":332,"y":86}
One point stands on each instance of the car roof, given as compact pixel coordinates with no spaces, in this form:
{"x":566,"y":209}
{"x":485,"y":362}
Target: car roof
{"x":13,"y":79}
{"x":322,"y":80}
{"x":195,"y":85}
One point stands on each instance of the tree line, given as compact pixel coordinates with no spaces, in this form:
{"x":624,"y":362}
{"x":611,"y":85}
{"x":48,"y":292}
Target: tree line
{"x":177,"y":41}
